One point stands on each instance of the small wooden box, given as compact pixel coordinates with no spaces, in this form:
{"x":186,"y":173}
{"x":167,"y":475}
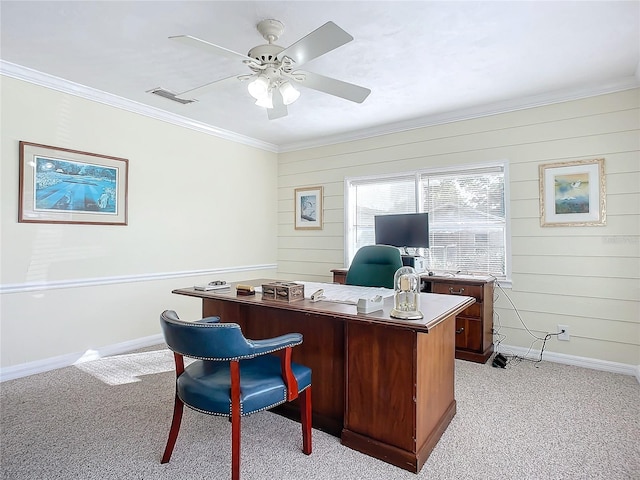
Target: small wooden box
{"x":283,"y":291}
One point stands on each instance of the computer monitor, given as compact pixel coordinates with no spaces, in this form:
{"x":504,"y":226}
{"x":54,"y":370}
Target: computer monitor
{"x":406,"y":230}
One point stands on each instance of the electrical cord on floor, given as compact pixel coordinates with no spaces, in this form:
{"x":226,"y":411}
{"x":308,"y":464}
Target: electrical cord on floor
{"x":497,"y":343}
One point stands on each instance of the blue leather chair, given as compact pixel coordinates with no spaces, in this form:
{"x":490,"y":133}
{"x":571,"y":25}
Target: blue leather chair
{"x":233,"y":376}
{"x":374,"y":266}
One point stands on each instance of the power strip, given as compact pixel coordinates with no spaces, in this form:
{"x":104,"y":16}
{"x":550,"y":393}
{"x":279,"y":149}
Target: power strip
{"x":499,"y":361}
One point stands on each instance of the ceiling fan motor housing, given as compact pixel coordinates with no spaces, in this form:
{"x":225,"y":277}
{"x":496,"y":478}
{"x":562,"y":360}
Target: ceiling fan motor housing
{"x":265,"y":53}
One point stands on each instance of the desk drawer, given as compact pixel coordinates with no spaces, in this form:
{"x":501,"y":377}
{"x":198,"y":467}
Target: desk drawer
{"x":459,"y":289}
{"x":474,"y":342}
{"x":473,"y":311}
{"x":468,"y":334}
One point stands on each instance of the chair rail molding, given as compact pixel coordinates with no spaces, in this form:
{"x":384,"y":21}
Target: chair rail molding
{"x":147,"y":277}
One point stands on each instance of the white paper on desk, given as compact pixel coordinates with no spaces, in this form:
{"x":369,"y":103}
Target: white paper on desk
{"x":344,"y":293}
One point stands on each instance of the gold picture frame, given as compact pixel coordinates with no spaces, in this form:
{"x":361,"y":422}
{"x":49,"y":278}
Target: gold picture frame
{"x":308,"y":208}
{"x":60,"y":185}
{"x":573,"y":194}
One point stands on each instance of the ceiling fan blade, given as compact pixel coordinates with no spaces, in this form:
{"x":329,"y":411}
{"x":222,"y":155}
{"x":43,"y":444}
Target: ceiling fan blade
{"x":322,"y":40}
{"x":207,"y":87}
{"x":210,"y":47}
{"x":279,"y":109}
{"x":332,"y":86}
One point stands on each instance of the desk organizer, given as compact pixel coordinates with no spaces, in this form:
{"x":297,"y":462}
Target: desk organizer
{"x":283,"y":291}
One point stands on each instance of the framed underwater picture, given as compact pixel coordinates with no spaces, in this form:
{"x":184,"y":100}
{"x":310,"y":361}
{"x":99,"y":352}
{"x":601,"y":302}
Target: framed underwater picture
{"x":60,"y":185}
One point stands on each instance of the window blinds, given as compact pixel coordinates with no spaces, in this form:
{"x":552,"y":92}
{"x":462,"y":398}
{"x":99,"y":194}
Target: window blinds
{"x":466,"y":206}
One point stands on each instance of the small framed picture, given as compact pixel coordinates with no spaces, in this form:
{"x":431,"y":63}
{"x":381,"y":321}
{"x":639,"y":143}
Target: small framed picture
{"x":573,"y":194}
{"x":59,"y":185}
{"x":308,"y":208}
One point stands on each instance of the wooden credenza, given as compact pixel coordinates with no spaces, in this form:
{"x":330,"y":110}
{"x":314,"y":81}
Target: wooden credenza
{"x":474,"y":326}
{"x":340,"y":275}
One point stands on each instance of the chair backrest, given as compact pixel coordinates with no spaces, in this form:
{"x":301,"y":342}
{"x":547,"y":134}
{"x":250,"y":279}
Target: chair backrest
{"x":205,"y":339}
{"x":374,"y":266}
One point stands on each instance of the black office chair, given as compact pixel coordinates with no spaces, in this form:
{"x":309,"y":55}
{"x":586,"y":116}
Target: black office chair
{"x":374,"y":266}
{"x":233,"y":376}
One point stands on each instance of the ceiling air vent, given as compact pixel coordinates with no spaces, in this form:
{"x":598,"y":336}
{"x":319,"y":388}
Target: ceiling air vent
{"x":169,"y":95}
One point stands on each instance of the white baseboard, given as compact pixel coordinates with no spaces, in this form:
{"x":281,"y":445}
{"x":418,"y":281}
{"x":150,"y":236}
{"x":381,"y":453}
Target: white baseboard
{"x":592,"y":363}
{"x":44,"y":365}
{"x":40,"y":366}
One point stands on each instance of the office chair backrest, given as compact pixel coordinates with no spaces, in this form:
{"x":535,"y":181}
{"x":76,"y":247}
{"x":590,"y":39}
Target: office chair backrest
{"x":374,"y":266}
{"x":206,"y":339}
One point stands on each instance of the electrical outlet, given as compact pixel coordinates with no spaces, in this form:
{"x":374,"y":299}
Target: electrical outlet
{"x":563,"y":336}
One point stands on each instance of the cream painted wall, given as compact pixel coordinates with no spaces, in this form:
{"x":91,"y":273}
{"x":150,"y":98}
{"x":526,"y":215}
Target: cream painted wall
{"x":585,"y":277}
{"x":67,"y":289}
{"x":196,"y":203}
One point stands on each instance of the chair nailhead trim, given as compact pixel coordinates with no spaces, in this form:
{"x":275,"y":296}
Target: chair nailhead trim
{"x":243,"y":357}
{"x":242,"y":414}
{"x":224,"y":325}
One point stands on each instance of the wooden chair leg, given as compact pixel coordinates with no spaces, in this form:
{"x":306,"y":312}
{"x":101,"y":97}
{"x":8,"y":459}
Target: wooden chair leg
{"x":305,"y":419}
{"x":235,"y":420}
{"x":235,"y":447}
{"x":178,"y":407}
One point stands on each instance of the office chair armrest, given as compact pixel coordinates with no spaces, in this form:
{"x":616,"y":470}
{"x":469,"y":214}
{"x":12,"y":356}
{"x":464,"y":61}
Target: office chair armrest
{"x":283,"y":345}
{"x":287,"y":374}
{"x":268,"y":345}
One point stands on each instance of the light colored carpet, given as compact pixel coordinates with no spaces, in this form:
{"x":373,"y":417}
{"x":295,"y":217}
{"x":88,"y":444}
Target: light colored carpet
{"x":109,"y":419}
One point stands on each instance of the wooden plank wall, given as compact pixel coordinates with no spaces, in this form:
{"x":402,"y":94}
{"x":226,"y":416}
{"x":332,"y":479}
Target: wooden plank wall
{"x":585,"y":277}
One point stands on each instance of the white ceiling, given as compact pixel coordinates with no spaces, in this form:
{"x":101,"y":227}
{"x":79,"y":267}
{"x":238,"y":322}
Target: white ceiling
{"x":425,"y":61}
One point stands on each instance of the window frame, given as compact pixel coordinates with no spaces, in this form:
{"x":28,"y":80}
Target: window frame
{"x":349,"y":206}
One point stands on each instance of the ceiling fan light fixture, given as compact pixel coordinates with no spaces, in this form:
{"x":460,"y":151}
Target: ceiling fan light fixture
{"x":259,"y":88}
{"x":289,"y":94}
{"x":266,"y":101}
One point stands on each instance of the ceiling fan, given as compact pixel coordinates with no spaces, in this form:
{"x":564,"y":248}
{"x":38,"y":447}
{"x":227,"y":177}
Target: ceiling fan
{"x":275,"y":69}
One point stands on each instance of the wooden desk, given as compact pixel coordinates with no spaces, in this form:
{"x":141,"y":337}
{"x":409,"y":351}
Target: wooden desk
{"x":474,"y":326}
{"x":385,"y":386}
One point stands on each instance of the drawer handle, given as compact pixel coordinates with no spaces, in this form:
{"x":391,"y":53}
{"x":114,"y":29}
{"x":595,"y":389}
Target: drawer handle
{"x":459,"y":292}
{"x":458,"y":332}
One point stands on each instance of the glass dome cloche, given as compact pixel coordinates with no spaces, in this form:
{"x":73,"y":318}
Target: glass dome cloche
{"x":407,"y":297}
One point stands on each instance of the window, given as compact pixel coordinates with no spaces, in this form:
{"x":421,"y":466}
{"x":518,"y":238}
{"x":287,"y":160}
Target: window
{"x":467,"y":214}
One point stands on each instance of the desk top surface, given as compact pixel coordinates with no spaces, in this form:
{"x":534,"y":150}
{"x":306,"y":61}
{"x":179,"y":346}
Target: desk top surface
{"x":434,"y":307}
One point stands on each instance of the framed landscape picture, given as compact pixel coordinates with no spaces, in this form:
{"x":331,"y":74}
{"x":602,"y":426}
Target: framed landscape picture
{"x":59,"y":185}
{"x":573,"y":193}
{"x":308,"y":208}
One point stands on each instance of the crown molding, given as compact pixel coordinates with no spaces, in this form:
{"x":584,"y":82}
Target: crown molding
{"x":55,"y":83}
{"x":549,"y":98}
{"x":33,"y":76}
